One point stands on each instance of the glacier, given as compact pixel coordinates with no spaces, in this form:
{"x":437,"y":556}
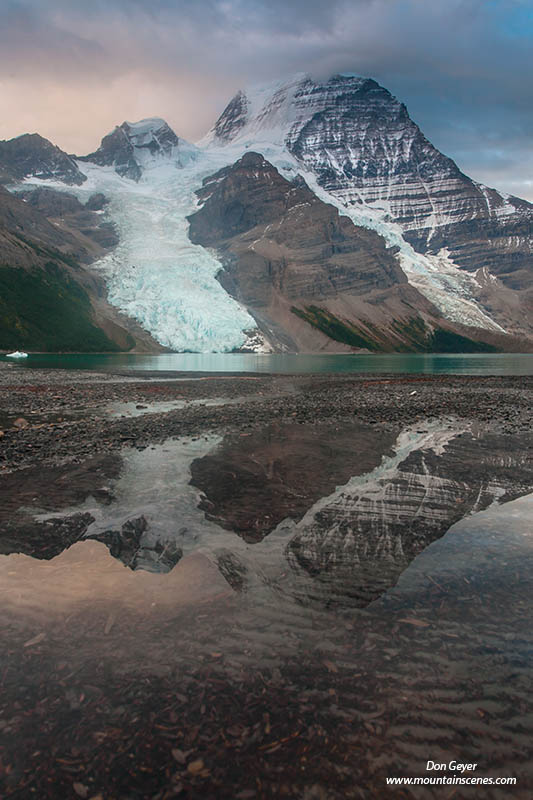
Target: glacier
{"x":156,"y":275}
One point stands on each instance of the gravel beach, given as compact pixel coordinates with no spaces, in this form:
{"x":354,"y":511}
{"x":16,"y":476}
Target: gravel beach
{"x":56,"y":416}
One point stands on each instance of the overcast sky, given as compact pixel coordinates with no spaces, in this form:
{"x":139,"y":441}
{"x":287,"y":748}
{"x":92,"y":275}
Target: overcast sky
{"x":73,"y":69}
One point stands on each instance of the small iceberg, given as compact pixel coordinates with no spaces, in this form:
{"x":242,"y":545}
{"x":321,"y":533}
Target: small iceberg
{"x":17,"y":354}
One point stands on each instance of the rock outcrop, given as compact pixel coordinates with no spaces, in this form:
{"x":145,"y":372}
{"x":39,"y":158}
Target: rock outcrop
{"x":33,"y":156}
{"x":92,"y":233}
{"x":309,"y":275}
{"x":133,"y":147}
{"x":300,"y":245}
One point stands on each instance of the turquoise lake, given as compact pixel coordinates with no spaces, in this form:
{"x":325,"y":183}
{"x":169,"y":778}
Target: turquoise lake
{"x":411,"y":363}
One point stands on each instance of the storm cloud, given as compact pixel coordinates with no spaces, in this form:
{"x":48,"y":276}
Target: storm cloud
{"x":72,"y":70}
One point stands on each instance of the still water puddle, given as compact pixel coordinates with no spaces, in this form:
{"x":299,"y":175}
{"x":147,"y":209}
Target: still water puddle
{"x":299,"y":612}
{"x":161,"y":407}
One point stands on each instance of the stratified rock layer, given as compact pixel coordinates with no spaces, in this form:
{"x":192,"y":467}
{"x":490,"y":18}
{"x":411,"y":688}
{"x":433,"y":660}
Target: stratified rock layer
{"x":362,"y":146}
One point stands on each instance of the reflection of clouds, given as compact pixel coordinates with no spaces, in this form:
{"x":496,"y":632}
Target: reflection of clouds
{"x":86,"y":576}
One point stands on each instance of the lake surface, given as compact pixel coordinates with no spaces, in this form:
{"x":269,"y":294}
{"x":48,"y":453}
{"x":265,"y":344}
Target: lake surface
{"x":410,"y":363}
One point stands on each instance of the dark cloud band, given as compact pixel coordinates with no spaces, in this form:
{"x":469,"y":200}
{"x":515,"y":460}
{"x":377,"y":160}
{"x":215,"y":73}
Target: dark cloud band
{"x":461,"y":66}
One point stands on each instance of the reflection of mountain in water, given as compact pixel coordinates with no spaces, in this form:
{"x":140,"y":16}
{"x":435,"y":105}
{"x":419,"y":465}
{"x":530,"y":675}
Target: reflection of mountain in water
{"x":252,"y":481}
{"x":355,"y":542}
{"x":358,"y":541}
{"x":348,"y":506}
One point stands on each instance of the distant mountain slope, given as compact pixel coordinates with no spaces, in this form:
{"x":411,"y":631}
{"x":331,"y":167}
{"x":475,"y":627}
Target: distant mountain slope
{"x":313,"y":279}
{"x":32,"y":156}
{"x":362,"y":146}
{"x":48,"y":300}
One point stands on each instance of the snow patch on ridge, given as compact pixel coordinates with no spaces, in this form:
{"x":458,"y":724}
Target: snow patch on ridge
{"x":451,"y":289}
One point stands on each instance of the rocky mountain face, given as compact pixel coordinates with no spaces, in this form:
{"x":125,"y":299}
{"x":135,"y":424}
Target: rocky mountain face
{"x":133,"y":147}
{"x":362,"y":146}
{"x":296,"y":262}
{"x":279,"y":219}
{"x":327,"y":215}
{"x":33,"y":156}
{"x":49,"y":299}
{"x":90,"y":234}
{"x":24,"y":228}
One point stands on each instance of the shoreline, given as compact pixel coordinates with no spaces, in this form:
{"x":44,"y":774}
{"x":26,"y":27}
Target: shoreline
{"x":66,"y":413}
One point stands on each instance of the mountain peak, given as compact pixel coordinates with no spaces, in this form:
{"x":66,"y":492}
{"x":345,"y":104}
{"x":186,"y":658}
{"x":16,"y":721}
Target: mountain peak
{"x":33,"y":156}
{"x":152,"y":133}
{"x":133,"y":147}
{"x":275,"y":112}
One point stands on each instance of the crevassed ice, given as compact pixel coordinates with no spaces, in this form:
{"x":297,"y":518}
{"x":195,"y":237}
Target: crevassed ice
{"x":155,"y":274}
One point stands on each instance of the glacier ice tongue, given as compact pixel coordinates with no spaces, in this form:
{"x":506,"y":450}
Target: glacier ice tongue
{"x":451,"y":290}
{"x":155,"y":274}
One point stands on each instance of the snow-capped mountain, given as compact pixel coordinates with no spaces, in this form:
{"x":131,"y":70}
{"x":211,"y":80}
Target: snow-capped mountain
{"x":361,"y":145}
{"x":364,"y":149}
{"x":461,"y":253}
{"x":466,"y":247}
{"x":134,"y":147}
